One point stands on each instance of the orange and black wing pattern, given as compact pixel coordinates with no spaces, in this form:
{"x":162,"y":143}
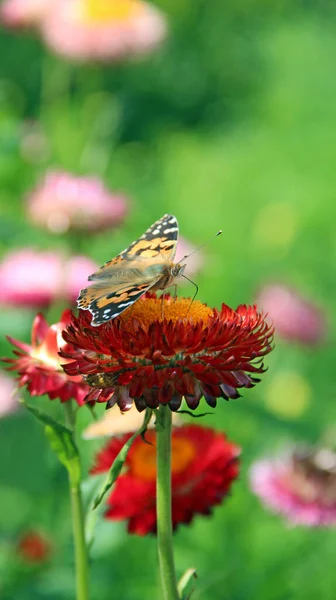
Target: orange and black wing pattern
{"x":124,"y":279}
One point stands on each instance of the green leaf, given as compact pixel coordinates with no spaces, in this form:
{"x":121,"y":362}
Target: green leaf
{"x":61,"y":441}
{"x":186,"y":585}
{"x":118,"y":463}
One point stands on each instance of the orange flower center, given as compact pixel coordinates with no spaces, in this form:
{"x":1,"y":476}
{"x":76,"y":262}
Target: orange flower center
{"x":150,"y":310}
{"x":143,"y":460}
{"x":105,"y":11}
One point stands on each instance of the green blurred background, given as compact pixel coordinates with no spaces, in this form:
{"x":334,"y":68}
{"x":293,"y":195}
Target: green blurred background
{"x":231,"y":124}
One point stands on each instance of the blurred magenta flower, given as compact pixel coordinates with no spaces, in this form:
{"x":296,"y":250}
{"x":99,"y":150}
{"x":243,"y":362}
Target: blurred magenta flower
{"x":102,"y":30}
{"x":77,"y":270}
{"x":63,"y":201}
{"x":35,"y":279}
{"x":38,"y":364}
{"x":8,"y":397}
{"x":22,"y":13}
{"x":294,"y":318}
{"x":301,"y":485}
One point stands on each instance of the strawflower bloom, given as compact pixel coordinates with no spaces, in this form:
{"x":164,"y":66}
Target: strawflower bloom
{"x":295,"y":319}
{"x":300,"y":485}
{"x":161,"y":350}
{"x":204,"y":465}
{"x":34,"y":547}
{"x":22,"y":13}
{"x":34,"y":279}
{"x":39,"y":366}
{"x":8,"y":397}
{"x":102,"y":30}
{"x":63,"y":201}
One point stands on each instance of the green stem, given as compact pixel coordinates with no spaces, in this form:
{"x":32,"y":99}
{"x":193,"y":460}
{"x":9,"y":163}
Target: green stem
{"x":81,"y":557}
{"x":78,"y":522}
{"x":163,"y":503}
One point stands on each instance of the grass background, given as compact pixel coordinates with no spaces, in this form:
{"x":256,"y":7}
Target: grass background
{"x":231,"y":124}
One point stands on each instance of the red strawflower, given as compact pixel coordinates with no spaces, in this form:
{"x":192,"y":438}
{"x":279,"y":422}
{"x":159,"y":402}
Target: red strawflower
{"x":33,"y":547}
{"x":39,"y":365}
{"x":204,"y":465}
{"x":193,"y":351}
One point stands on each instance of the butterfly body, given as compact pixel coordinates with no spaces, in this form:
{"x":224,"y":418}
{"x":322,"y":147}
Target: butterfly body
{"x":147,"y":264}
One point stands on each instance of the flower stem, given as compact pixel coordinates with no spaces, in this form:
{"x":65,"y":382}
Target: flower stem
{"x":163,"y":503}
{"x":81,"y":557}
{"x":78,"y":522}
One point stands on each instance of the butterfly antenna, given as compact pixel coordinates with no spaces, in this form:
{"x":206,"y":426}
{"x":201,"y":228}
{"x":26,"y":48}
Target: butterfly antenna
{"x":200,"y":248}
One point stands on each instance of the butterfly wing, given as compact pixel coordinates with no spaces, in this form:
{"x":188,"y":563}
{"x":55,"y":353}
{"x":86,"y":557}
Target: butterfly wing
{"x":124,"y":279}
{"x":157,"y":243}
{"x":106,"y":302}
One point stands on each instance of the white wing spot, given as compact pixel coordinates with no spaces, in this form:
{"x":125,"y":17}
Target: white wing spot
{"x":170,"y":230}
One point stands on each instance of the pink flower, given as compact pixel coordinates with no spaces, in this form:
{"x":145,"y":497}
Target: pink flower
{"x":77,"y":270}
{"x":301,"y":486}
{"x":35,"y":279}
{"x":102,"y":30}
{"x":22,"y":13}
{"x":63,"y":201}
{"x":294,"y":318}
{"x":8,"y":397}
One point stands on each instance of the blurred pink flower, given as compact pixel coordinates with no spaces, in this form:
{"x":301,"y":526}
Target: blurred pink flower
{"x":301,"y":486}
{"x":294,"y":318}
{"x":35,"y":279}
{"x":103,"y":30}
{"x":22,"y":13}
{"x":63,"y":201}
{"x":195,"y":262}
{"x":8,"y":397}
{"x":77,"y":270}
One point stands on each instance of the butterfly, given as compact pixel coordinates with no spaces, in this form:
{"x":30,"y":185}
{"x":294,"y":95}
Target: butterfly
{"x":147,"y":264}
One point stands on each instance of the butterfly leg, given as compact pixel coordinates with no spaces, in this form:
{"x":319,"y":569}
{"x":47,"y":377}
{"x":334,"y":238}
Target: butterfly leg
{"x":196,"y":291}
